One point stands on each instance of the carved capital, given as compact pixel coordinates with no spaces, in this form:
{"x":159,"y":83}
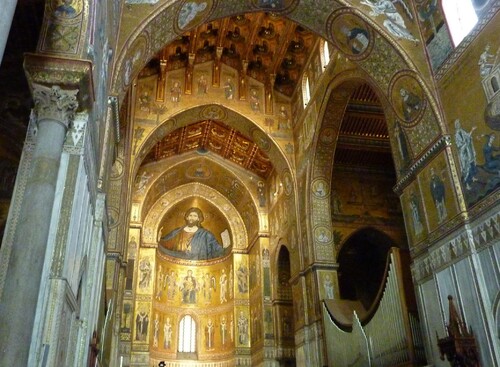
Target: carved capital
{"x":55,"y":103}
{"x":69,"y":74}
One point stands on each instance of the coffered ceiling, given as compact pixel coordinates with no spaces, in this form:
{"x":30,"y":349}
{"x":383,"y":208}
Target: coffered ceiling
{"x":269,"y":48}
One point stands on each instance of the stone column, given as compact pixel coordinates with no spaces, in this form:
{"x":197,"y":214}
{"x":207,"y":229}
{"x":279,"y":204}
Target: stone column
{"x":54,"y":110}
{"x":6,"y":15}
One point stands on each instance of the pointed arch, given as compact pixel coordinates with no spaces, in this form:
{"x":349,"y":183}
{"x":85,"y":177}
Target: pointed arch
{"x":222,"y":176}
{"x":283,"y":266}
{"x":325,"y":53}
{"x":179,"y":193}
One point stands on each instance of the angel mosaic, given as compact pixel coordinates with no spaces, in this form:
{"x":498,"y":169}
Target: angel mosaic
{"x":394,"y":21}
{"x":189,"y":11}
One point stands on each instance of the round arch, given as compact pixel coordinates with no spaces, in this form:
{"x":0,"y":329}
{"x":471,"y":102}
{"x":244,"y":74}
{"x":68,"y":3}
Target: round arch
{"x":330,"y":117}
{"x":233,"y":119}
{"x":282,"y":263}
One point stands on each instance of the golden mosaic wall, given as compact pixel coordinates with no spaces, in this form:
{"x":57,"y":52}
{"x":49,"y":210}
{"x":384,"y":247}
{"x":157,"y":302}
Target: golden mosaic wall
{"x":471,"y":103}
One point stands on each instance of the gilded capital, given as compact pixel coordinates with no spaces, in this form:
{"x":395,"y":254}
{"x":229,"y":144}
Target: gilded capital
{"x":55,"y":103}
{"x":68,"y":74}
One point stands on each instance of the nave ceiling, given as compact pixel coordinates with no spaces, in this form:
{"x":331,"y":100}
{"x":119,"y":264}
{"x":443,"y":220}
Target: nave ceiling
{"x":268,"y":47}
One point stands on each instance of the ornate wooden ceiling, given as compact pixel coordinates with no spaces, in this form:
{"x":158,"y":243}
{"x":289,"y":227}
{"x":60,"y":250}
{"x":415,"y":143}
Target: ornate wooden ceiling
{"x":218,"y":138}
{"x":268,"y":48}
{"x":363,"y":139}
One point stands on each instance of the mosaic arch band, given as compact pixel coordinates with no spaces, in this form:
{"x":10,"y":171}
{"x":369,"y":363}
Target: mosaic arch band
{"x":192,"y":241}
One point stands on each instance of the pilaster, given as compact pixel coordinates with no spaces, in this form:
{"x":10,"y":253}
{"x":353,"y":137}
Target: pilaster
{"x":62,"y":324}
{"x":71,"y":160}
{"x":89,"y":312}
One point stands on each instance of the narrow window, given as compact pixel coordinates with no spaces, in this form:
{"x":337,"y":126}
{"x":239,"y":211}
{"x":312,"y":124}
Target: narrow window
{"x":187,"y":335}
{"x":325,"y":54}
{"x":306,"y":90}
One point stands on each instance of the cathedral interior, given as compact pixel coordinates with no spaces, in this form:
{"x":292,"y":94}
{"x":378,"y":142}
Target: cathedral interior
{"x":221,"y":183}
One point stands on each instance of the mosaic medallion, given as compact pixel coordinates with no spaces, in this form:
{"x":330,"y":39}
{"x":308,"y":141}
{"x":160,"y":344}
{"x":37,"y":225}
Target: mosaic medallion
{"x":407,"y":97}
{"x":350,"y":34}
{"x":320,"y":188}
{"x":137,"y":51}
{"x":322,"y":235}
{"x":261,"y":140}
{"x":213,"y":112}
{"x":287,"y":181}
{"x":199,"y":171}
{"x":327,"y":136}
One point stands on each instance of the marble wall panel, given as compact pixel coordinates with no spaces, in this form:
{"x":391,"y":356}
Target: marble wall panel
{"x":432,"y":320}
{"x":491,"y":270}
{"x":473,"y":310}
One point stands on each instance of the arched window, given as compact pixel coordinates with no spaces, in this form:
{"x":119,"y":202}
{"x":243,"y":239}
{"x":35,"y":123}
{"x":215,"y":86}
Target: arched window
{"x":283,"y":286}
{"x":187,"y":335}
{"x":325,"y":54}
{"x":306,"y":90}
{"x":461,"y":18}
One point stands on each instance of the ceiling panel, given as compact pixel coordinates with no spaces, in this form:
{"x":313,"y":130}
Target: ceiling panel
{"x":217,"y":138}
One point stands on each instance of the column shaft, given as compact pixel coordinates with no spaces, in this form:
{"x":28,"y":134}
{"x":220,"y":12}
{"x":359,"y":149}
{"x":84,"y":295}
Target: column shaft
{"x":20,"y":294}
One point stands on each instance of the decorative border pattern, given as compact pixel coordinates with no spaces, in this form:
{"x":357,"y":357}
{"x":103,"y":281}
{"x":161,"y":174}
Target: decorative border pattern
{"x":23,"y":174}
{"x":485,"y":233}
{"x":429,"y":155}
